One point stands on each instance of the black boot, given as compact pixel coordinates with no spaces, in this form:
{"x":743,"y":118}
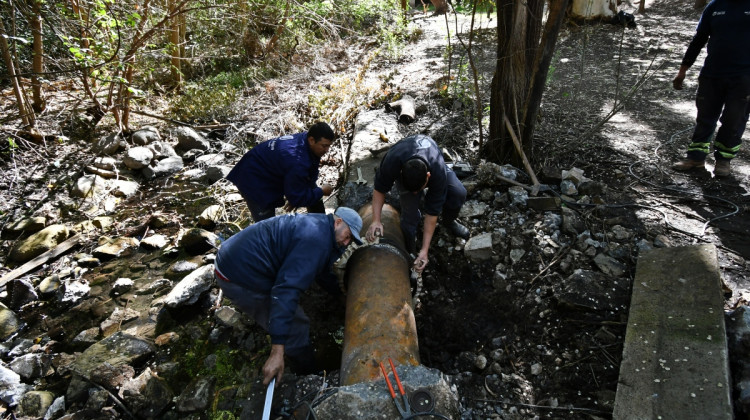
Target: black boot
{"x":457,"y":229}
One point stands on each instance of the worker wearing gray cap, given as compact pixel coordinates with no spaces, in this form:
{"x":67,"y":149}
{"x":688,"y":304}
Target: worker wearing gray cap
{"x":265,"y":268}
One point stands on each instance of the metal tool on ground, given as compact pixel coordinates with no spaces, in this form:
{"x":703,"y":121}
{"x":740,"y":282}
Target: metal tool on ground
{"x":536,"y":188}
{"x":360,"y":180}
{"x":405,"y":411}
{"x":269,"y":400}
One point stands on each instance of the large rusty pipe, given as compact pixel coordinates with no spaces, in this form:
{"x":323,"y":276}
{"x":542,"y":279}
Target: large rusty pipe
{"x":379,"y":320}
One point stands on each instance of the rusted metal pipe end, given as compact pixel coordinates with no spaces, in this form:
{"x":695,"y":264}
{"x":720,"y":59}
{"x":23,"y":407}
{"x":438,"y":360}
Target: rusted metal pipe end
{"x":379,"y":314}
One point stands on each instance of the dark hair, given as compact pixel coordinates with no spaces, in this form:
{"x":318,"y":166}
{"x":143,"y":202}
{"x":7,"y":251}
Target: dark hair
{"x":321,"y":130}
{"x":413,"y":174}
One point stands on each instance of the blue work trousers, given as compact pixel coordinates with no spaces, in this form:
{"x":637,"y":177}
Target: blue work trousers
{"x":720,"y":99}
{"x":258,"y":306}
{"x":410,"y":202}
{"x":259,"y":213}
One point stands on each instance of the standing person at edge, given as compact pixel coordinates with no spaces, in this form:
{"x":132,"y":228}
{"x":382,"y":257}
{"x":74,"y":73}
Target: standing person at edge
{"x":265,"y":268}
{"x":724,"y":82}
{"x":284,"y":167}
{"x":416,"y":163}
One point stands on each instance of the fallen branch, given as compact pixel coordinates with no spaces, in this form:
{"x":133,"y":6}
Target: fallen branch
{"x":519,"y":149}
{"x":41,"y":259}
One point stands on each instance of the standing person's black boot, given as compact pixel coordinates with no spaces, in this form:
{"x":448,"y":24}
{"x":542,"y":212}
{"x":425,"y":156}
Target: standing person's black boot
{"x":457,"y":229}
{"x":449,"y":222}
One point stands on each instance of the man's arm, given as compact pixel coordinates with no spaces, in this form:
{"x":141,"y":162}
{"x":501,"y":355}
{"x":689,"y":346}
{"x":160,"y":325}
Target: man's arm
{"x":300,"y":192}
{"x":428,"y":230}
{"x":376,"y":227}
{"x":274,"y":366}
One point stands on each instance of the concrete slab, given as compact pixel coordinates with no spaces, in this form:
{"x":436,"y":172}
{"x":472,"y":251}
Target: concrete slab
{"x":675,"y":361}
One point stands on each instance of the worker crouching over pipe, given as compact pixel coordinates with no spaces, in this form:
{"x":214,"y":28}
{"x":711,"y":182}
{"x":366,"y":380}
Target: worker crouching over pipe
{"x":379,"y":320}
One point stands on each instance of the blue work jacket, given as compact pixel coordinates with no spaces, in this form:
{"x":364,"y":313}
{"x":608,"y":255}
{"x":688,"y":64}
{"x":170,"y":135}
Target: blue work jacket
{"x":277,"y":168}
{"x":281,"y":257}
{"x":725,"y":27}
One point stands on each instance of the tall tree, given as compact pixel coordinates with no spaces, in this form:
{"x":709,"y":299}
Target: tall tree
{"x":520,"y":73}
{"x":35,"y":22}
{"x":26,"y":115}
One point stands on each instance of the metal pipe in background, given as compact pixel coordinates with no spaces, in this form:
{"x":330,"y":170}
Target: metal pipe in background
{"x":379,"y":319}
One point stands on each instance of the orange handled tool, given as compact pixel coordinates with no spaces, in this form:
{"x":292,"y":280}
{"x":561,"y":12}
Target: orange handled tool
{"x":405,"y":411}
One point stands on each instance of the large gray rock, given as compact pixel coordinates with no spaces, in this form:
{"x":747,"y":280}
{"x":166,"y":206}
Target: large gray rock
{"x":138,"y":157}
{"x":119,"y":349}
{"x":36,"y":403}
{"x":166,"y":166}
{"x":29,"y":225}
{"x":115,"y":248}
{"x":479,"y":248}
{"x":198,"y":241}
{"x":187,"y":291}
{"x":215,"y":173}
{"x":73,"y":290}
{"x":146,"y":135}
{"x":124,"y":188}
{"x":161,"y":149}
{"x":20,"y":292}
{"x":38,"y":243}
{"x":32,"y":366}
{"x":111,"y":143}
{"x":197,"y":395}
{"x":147,"y":394}
{"x":56,"y":409}
{"x":105,"y":162}
{"x":9,"y":322}
{"x":188,"y":139}
{"x":88,"y":186}
{"x":11,"y":387}
{"x":371,"y":401}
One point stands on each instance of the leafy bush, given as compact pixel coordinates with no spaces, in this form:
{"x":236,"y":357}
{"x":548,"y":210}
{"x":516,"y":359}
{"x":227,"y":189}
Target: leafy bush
{"x":204,"y":103}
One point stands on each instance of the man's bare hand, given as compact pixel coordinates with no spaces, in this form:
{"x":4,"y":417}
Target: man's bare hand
{"x":274,"y":366}
{"x":327,"y":189}
{"x":375,"y":229}
{"x":678,"y":82}
{"x":421,"y":261}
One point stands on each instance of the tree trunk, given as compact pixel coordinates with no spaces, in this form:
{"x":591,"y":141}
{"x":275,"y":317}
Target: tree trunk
{"x":174,"y":38}
{"x":25,"y":111}
{"x":510,"y":81}
{"x":35,"y":21}
{"x":544,"y":57}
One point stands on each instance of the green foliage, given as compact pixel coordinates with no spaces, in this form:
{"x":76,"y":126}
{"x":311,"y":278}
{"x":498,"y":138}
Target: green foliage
{"x":204,"y":102}
{"x":223,"y":415}
{"x":227,"y":369}
{"x":483,"y":6}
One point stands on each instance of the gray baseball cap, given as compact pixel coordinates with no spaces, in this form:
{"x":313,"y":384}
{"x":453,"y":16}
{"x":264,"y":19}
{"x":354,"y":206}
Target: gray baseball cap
{"x":352,"y":219}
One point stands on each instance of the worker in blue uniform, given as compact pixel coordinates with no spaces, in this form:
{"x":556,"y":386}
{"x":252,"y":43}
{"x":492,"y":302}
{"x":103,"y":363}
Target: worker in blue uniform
{"x":414,"y":164}
{"x":284,"y":167}
{"x":264,"y":269}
